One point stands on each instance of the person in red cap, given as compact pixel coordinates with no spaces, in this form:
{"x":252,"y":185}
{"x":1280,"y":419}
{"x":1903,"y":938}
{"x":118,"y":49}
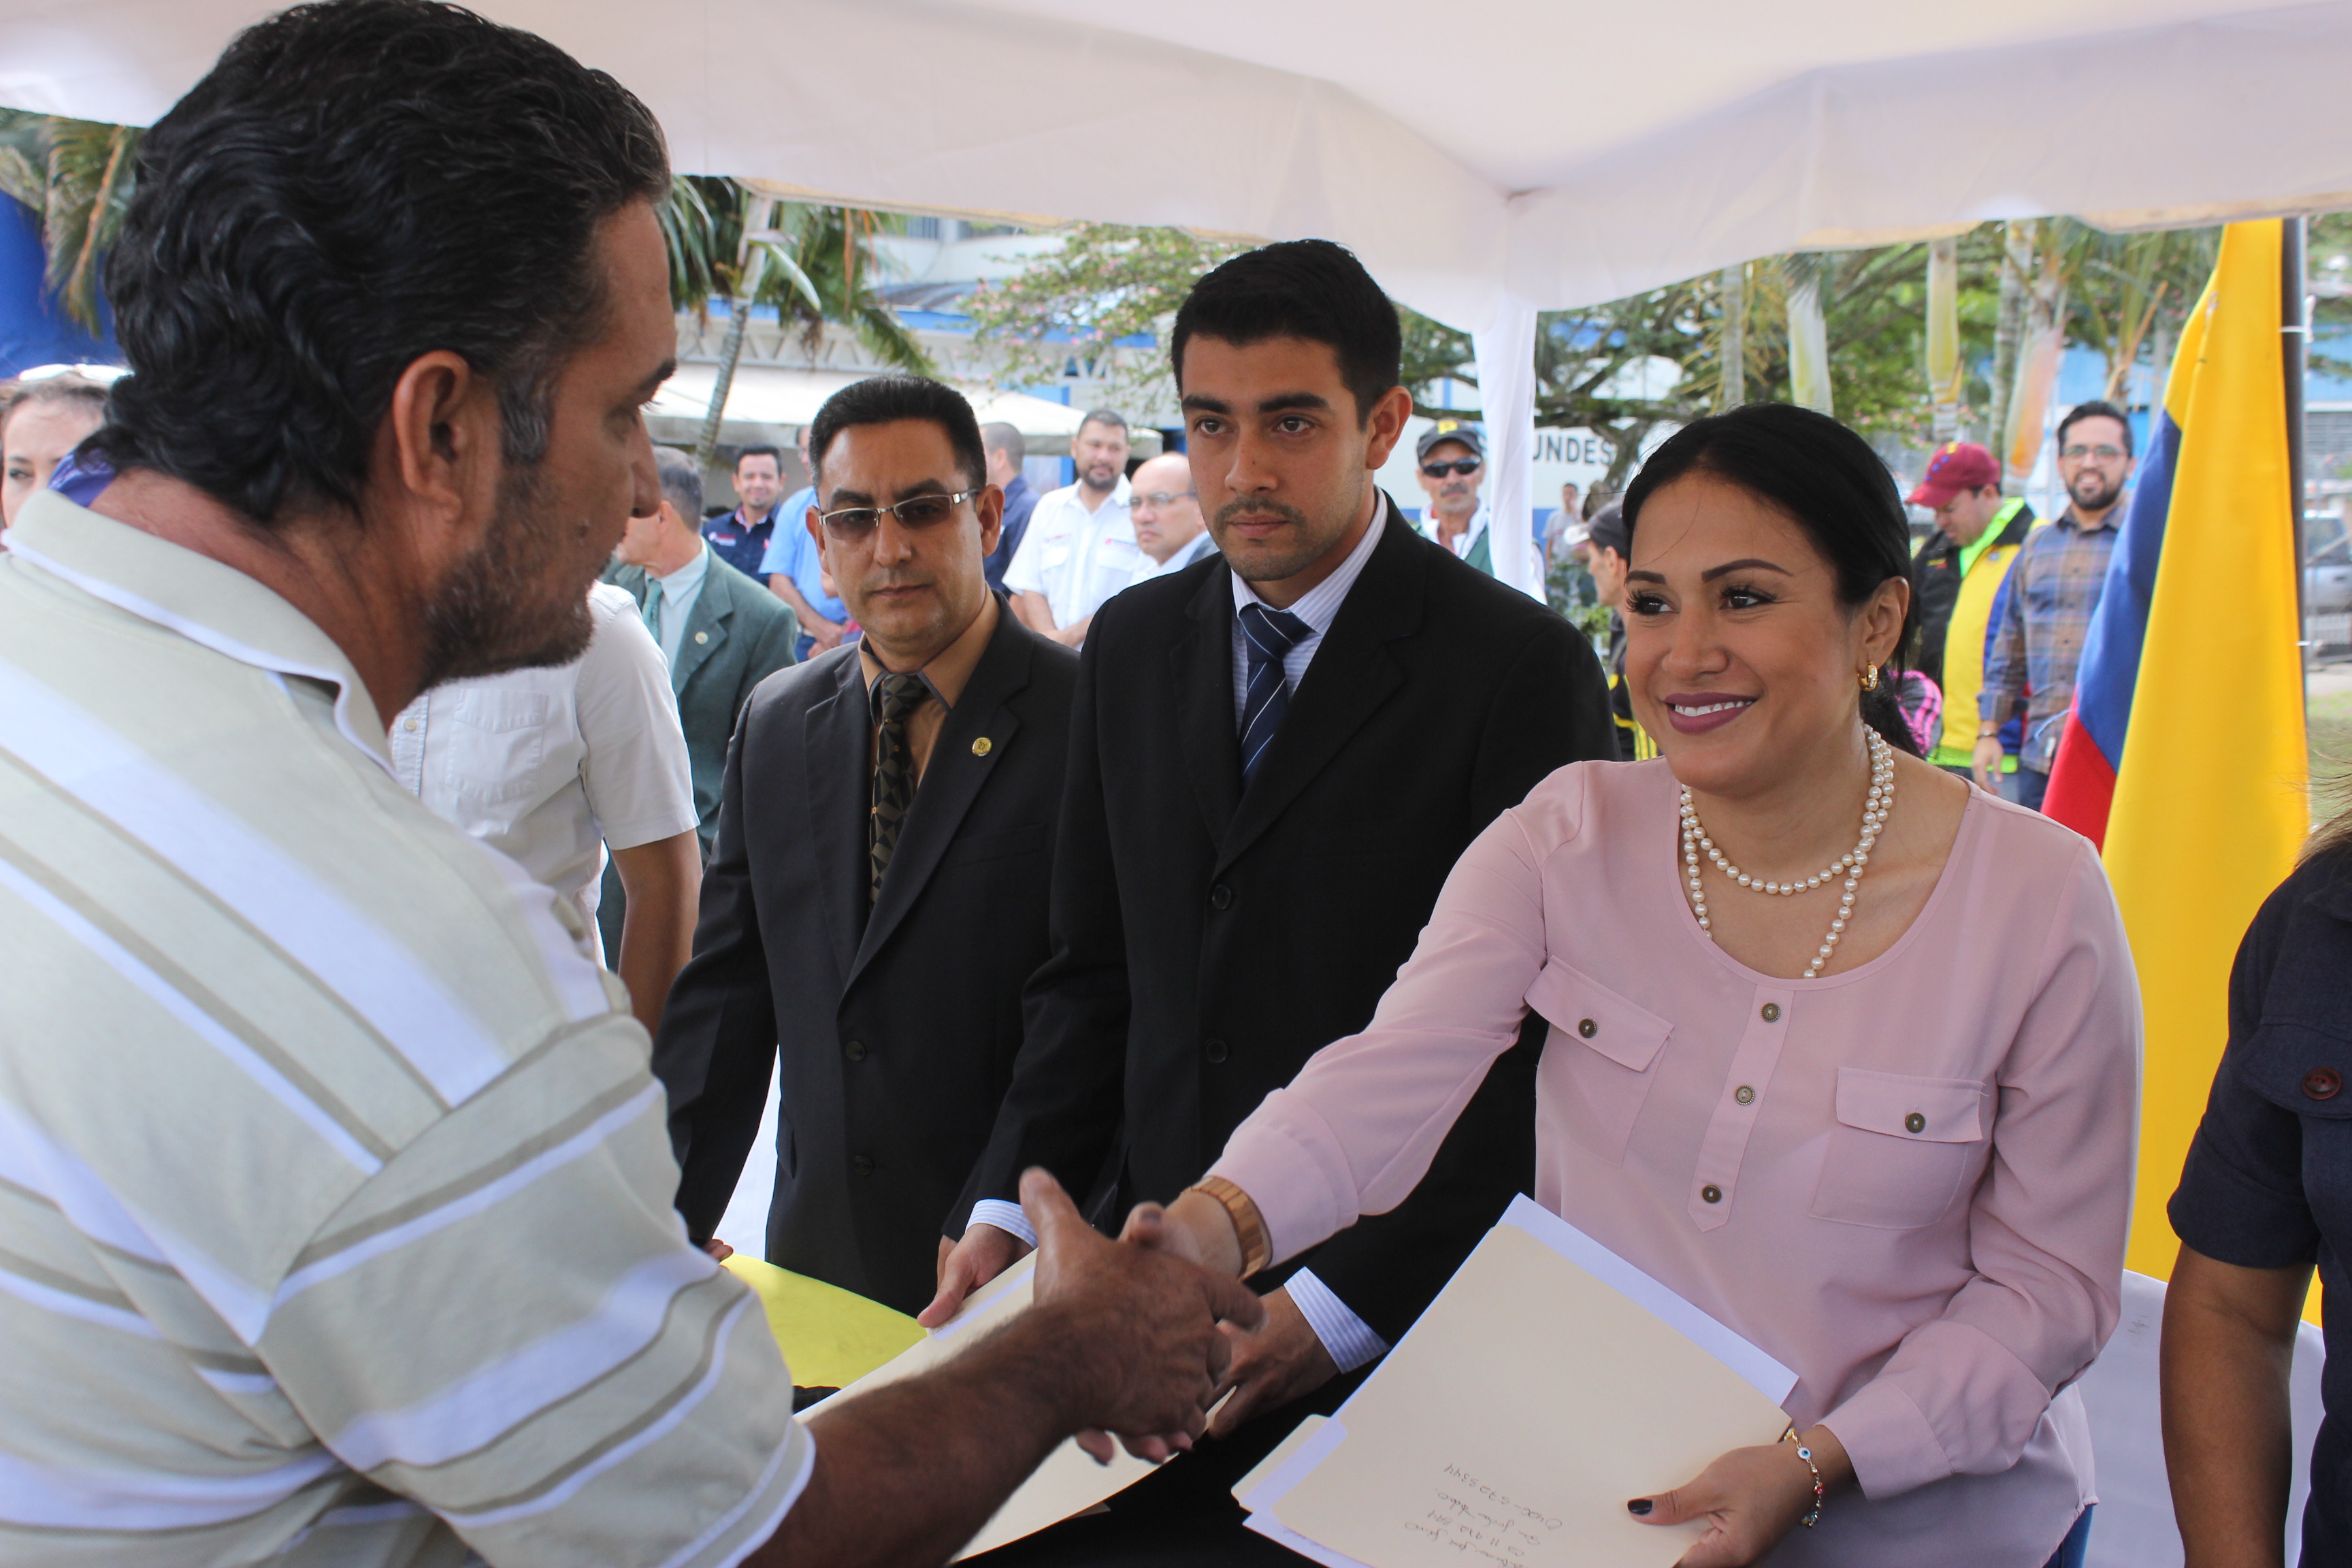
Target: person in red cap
{"x":1957,"y":574}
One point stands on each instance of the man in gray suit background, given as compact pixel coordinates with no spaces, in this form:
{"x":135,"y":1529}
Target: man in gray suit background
{"x":722,"y":633}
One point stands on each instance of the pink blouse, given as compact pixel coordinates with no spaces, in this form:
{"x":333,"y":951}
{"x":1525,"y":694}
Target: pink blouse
{"x":1909,"y":1182}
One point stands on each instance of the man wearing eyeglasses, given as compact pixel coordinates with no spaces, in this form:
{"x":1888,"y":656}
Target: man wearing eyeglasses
{"x":877,"y":894}
{"x":2046,"y":606}
{"x":1453,"y":462}
{"x":1168,"y":526}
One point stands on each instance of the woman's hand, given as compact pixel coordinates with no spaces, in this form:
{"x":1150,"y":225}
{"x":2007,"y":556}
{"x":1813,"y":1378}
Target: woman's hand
{"x":1749,"y":1498}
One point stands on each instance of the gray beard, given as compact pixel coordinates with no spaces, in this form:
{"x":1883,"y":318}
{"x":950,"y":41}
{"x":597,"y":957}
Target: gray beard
{"x":490,"y":615}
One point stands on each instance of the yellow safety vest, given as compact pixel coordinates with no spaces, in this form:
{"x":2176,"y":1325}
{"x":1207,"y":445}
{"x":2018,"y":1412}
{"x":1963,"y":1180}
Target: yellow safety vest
{"x":1964,"y":650}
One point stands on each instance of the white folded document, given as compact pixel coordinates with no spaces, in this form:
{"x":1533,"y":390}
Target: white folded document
{"x":1548,"y":1382}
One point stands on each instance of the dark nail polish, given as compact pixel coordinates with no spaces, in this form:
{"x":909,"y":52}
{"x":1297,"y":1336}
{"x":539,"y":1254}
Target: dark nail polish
{"x":1640,"y":1505}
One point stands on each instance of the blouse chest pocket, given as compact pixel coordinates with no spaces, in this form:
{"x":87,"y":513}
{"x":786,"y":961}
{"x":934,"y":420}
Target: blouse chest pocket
{"x":1598,"y":1059}
{"x":497,"y":742}
{"x":1902,"y":1149}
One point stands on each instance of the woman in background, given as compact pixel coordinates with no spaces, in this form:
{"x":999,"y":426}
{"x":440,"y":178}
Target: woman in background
{"x":1842,"y":1050}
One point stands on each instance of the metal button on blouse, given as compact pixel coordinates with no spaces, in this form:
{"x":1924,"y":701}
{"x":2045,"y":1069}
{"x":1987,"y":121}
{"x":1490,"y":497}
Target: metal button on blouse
{"x":1744,"y":1094}
{"x":2322,"y":1083}
{"x":1771,"y":1011}
{"x":1915,"y":1122}
{"x":1586,"y":1027}
{"x":1711,"y":1193}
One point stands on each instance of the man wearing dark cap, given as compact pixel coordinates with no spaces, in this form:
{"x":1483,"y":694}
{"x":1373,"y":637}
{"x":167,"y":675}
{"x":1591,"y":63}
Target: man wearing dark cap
{"x":1451,"y":456}
{"x":1958,"y":571}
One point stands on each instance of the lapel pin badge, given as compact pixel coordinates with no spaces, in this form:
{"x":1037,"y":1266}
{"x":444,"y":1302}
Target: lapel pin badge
{"x":980,"y":748}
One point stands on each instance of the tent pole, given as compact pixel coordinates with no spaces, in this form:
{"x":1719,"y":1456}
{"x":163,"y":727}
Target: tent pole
{"x":2295,"y":334}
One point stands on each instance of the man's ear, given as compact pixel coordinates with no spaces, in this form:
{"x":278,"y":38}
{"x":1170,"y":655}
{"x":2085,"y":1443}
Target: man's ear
{"x":1386,"y":425}
{"x":439,"y":458}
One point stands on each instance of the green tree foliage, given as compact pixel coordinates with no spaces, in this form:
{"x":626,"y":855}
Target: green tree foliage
{"x":75,"y":175}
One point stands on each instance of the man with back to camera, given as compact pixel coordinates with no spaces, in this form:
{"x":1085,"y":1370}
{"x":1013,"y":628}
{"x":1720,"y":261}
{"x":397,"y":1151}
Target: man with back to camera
{"x":742,"y":536}
{"x":878,"y":897}
{"x":2045,"y":605}
{"x":351,"y":1139}
{"x":41,"y":421}
{"x":1958,"y":571}
{"x":1450,"y":461}
{"x":719,"y":634}
{"x":1007,"y":450}
{"x":1169,"y":527}
{"x":1080,"y":547}
{"x":1277,"y":757}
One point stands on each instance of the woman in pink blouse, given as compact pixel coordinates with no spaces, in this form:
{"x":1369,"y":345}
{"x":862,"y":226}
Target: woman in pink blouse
{"x":1842,"y":1050}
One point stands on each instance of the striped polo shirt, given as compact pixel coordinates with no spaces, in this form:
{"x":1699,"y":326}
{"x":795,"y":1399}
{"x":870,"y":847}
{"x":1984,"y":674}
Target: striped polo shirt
{"x":335,"y":1217}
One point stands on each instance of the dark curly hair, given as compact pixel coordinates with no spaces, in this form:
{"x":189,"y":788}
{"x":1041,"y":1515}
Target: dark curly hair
{"x":355,"y":185}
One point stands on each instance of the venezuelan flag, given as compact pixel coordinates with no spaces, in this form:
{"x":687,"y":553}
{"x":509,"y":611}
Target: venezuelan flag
{"x":2184,"y":755}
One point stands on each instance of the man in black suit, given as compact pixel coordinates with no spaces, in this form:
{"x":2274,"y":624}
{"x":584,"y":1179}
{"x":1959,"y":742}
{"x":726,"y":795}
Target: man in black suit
{"x":878,"y":896}
{"x":1277,"y":757}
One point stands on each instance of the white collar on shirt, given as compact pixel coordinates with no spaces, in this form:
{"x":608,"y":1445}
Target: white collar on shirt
{"x":1319,"y":605}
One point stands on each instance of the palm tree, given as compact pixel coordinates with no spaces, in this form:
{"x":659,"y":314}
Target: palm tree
{"x":75,"y":175}
{"x":730,"y":240}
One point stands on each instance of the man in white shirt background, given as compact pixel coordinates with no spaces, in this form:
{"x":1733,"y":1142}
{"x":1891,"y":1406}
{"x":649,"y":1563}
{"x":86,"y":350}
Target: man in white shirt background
{"x":553,"y":766}
{"x":1169,"y":527}
{"x":1452,"y":458}
{"x":1080,"y":548}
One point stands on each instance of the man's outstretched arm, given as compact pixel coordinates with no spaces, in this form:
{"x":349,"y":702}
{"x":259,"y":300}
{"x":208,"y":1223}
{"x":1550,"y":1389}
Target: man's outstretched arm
{"x":1121,"y":1338}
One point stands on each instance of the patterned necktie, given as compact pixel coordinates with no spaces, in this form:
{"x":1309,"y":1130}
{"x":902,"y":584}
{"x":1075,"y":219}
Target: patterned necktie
{"x":894,"y":772}
{"x":1269,"y":634}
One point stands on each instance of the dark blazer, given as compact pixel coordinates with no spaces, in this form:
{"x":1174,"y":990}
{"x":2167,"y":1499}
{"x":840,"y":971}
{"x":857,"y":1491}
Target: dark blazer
{"x":738,"y":634}
{"x":1207,"y":941}
{"x":896,"y":1032}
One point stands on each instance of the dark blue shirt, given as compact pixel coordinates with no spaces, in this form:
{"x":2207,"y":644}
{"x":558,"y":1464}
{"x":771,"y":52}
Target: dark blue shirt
{"x":1020,"y":500}
{"x":741,"y":547}
{"x":2269,"y":1179}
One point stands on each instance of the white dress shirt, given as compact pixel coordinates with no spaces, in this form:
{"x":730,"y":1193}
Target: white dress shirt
{"x":675,"y":595}
{"x":1349,"y":1340}
{"x":1075,"y":557}
{"x":551,"y":765}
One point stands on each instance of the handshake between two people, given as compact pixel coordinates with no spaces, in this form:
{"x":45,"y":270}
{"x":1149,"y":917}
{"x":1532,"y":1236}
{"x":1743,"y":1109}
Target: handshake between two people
{"x":1265,"y":1358}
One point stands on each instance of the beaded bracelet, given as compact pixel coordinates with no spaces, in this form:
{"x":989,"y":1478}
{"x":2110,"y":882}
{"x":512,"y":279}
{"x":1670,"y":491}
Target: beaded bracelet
{"x":1814,"y":1516}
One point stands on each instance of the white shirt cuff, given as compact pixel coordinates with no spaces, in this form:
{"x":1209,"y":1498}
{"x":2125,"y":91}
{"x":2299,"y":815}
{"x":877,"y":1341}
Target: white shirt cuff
{"x":1011,"y":1218}
{"x":1349,"y":1339}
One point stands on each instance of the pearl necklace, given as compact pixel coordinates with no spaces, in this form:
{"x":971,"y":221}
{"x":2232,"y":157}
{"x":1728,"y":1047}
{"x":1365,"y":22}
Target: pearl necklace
{"x":1853,"y":863}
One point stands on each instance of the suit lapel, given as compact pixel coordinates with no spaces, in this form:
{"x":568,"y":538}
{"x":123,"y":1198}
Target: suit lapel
{"x":1351,"y":675}
{"x":705,"y":627}
{"x":838,"y":736}
{"x":1201,"y":664}
{"x":951,"y":780}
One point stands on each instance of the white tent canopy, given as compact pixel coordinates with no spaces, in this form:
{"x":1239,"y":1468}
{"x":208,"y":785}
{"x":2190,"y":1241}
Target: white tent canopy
{"x":1487,"y":159}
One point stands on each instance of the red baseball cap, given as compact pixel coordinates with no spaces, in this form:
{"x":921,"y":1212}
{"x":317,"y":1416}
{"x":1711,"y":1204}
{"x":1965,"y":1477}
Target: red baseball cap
{"x":1956,"y":466}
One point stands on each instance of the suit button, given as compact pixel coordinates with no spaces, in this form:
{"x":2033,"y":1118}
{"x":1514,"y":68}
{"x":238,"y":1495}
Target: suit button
{"x":1711,"y":1193}
{"x":862,"y":1163}
{"x":1220,"y":897}
{"x":1214,"y":1050}
{"x":2322,"y":1083}
{"x":854,"y":1050}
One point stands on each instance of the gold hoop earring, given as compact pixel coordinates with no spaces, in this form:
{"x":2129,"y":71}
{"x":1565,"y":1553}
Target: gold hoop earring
{"x":1870,"y":678}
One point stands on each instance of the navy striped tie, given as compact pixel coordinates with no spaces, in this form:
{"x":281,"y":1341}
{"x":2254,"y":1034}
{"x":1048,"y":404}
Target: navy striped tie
{"x":1270,"y":634}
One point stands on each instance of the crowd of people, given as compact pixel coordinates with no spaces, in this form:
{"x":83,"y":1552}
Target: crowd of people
{"x":431,"y":846}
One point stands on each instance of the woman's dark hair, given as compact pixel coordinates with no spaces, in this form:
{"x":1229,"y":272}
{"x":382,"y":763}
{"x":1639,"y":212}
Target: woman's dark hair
{"x":886,"y":399}
{"x":1830,"y":484}
{"x":355,"y":185}
{"x":1307,"y":288}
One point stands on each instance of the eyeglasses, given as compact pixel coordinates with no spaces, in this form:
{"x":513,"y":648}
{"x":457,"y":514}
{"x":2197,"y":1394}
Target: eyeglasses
{"x":1158,"y":498}
{"x":2077,"y":453}
{"x":914,"y":512}
{"x":1458,"y":466}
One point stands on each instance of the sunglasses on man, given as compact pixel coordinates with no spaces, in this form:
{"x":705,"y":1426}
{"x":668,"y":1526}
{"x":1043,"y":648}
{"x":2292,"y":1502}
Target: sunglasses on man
{"x":854,"y":523}
{"x":1458,"y":466}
